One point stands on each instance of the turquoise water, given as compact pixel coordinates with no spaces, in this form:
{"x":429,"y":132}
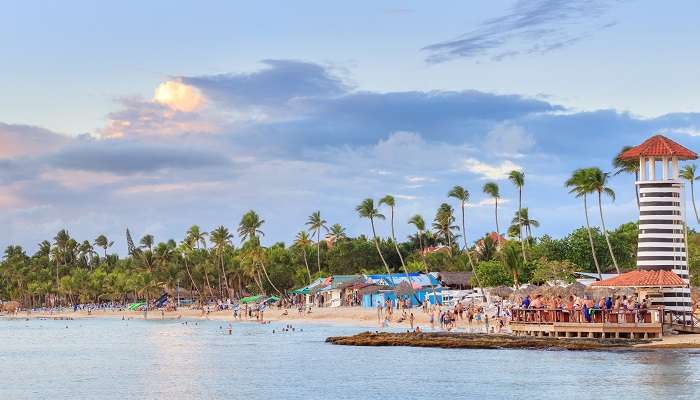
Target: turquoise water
{"x":114,"y":359}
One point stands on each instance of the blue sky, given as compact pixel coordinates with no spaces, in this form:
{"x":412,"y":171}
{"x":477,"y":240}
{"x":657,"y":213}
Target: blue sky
{"x":158,"y":115}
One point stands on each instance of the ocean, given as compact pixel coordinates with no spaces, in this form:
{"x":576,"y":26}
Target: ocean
{"x":135,"y":359}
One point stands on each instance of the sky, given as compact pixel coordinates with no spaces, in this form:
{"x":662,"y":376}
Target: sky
{"x":158,"y":115}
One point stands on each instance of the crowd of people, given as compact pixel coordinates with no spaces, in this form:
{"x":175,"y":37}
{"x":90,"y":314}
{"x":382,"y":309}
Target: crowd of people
{"x":619,"y":309}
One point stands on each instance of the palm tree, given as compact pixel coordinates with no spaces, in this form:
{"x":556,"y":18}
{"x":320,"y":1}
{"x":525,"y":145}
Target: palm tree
{"x":315,"y":224}
{"x":250,"y":224}
{"x":366,"y":210}
{"x":336,"y":233}
{"x":302,"y":241}
{"x":248,"y":230}
{"x":580,"y":186}
{"x":442,"y":225}
{"x":221,"y":237}
{"x":197,"y":236}
{"x":390,"y":202}
{"x":522,"y":218}
{"x":517,"y":178}
{"x":147,"y":242}
{"x":629,"y":167}
{"x":462,"y":195}
{"x":512,"y":262}
{"x":491,"y":189}
{"x":418,"y":221}
{"x":102,"y":241}
{"x":185,"y":250}
{"x":688,"y":173}
{"x":598,"y":183}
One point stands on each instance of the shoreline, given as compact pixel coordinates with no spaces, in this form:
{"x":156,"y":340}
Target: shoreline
{"x":340,"y":316}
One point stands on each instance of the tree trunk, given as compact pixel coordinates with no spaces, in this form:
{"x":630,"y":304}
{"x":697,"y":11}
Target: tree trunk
{"x":194,"y":285}
{"x":520,"y":222}
{"x":498,"y":231}
{"x":318,"y":249}
{"x":692,"y":196}
{"x":425,"y":265}
{"x":376,"y":243}
{"x":605,"y":232}
{"x":223,"y":272}
{"x":262,"y":264}
{"x":405,"y":270}
{"x":469,"y":256}
{"x":590,"y":238}
{"x":636,"y":189}
{"x":308,"y":270}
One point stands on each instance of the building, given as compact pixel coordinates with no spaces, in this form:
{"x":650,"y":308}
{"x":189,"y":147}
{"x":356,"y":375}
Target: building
{"x":662,"y":234}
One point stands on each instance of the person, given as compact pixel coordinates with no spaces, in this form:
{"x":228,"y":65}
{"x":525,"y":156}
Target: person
{"x":526,"y":302}
{"x":586,"y":313}
{"x":411,"y":318}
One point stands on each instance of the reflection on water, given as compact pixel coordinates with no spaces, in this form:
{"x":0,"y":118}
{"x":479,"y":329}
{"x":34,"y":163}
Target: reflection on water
{"x":114,"y":359}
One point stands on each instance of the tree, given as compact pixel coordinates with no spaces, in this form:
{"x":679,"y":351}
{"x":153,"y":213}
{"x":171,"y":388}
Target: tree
{"x":462,"y":195}
{"x":517,"y":178}
{"x":302,"y":241}
{"x":248,"y":230}
{"x":222,"y":240}
{"x":418,"y":221}
{"x":491,"y":189}
{"x":336,"y":233}
{"x":580,"y":186}
{"x":493,"y":273}
{"x":629,"y":167}
{"x":522,"y":219}
{"x":443,"y":225}
{"x":367,"y":210}
{"x":553,"y":270}
{"x":598,"y":183}
{"x":688,"y":173}
{"x":316,"y":224}
{"x":147,"y":242}
{"x":104,"y":243}
{"x":390,"y":202}
{"x":512,"y":262}
{"x":198,"y":236}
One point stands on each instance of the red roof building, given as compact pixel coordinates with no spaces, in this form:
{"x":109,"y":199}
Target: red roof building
{"x":643,"y":279}
{"x":659,"y":146}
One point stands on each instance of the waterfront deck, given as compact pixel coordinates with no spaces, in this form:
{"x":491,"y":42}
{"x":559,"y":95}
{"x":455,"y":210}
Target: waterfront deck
{"x":637,"y":324}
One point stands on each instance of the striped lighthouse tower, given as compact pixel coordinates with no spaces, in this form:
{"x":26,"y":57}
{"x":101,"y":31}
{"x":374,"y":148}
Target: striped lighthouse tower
{"x":662,"y":235}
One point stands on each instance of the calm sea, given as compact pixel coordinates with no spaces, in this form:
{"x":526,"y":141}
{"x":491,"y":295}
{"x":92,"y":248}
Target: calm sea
{"x":114,"y":359}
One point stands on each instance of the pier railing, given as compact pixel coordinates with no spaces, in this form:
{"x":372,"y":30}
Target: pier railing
{"x":593,"y":315}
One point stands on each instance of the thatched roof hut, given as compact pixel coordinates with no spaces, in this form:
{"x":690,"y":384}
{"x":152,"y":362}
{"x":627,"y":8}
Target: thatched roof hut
{"x":501,"y":291}
{"x":456,"y":280}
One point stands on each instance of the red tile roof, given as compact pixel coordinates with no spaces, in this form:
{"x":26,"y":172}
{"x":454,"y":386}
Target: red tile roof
{"x":658,"y":278}
{"x":659,"y":146}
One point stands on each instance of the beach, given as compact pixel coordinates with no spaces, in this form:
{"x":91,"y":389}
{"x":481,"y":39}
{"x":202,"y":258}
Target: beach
{"x":331,"y":316}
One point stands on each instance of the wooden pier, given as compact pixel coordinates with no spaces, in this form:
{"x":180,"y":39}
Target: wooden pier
{"x":628,"y":324}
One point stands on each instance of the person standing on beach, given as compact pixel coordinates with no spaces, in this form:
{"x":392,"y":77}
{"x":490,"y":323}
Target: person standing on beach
{"x":411,"y":318}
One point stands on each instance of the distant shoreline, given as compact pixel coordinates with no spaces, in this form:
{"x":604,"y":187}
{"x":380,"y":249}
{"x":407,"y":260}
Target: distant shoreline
{"x":340,"y":316}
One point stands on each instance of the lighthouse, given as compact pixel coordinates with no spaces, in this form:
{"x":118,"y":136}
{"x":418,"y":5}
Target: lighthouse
{"x":662,"y":216}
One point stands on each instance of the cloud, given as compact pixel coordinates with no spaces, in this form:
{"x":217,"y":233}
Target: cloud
{"x":139,"y":118}
{"x":487,"y":171}
{"x":488,"y":202}
{"x":530,"y":26}
{"x":277,"y":84}
{"x":125,"y":157}
{"x":509,"y":139}
{"x":319,"y":146}
{"x":26,"y":140}
{"x":178,"y":96}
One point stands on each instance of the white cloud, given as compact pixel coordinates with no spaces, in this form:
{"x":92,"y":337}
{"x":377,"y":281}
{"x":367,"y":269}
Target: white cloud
{"x":418,"y":179}
{"x":688,"y":130}
{"x":178,"y":96}
{"x":487,"y":171}
{"x":509,"y":139}
{"x":405,"y":197}
{"x":488,"y":202}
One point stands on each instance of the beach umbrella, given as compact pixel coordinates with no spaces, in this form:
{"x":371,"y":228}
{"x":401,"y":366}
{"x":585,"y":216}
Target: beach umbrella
{"x":501,"y":291}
